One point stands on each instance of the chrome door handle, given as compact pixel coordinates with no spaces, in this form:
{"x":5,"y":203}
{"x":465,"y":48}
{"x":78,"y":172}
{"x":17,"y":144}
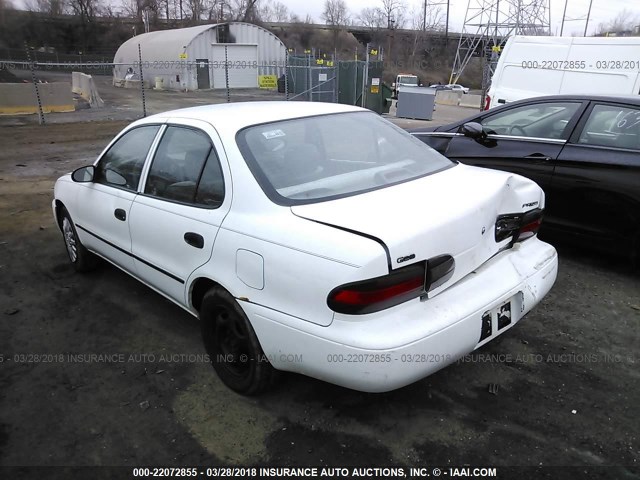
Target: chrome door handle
{"x":538,"y":156}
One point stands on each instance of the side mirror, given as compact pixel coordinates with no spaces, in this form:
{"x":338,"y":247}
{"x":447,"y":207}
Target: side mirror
{"x":84,"y":174}
{"x":473,"y":130}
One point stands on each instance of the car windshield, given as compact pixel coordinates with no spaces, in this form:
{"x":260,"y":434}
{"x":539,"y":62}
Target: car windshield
{"x":408,"y":80}
{"x":330,"y":156}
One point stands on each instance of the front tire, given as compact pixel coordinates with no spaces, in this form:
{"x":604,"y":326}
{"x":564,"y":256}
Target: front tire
{"x":232,"y":345}
{"x":81,"y":258}
{"x":635,"y":254}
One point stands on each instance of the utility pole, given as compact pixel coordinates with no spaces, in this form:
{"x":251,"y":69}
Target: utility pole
{"x":564,"y":14}
{"x":391,"y":22}
{"x":586,"y":26}
{"x":432,"y":5}
{"x":424,"y":17}
{"x":446,"y":28}
{"x":365,"y":76}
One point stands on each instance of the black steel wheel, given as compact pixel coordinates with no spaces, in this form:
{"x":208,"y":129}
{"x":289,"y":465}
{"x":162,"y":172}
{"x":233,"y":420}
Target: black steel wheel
{"x":232,"y":345}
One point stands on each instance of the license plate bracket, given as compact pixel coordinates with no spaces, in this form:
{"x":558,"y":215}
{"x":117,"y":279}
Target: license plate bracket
{"x":504,"y":315}
{"x":499,"y":316}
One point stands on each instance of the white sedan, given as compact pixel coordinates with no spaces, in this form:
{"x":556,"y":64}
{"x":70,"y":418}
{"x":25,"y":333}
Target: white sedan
{"x":458,"y":88}
{"x":313,"y":238}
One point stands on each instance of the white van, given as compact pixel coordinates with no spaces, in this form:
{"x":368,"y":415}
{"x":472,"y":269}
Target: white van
{"x":534,"y":66}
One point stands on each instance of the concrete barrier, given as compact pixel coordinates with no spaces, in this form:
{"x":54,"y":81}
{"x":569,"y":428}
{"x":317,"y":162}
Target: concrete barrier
{"x":83,"y":85}
{"x":20,"y":98}
{"x":75,"y":83}
{"x":136,"y":84}
{"x":447,"y":97}
{"x":132,"y":83}
{"x":471,"y":101}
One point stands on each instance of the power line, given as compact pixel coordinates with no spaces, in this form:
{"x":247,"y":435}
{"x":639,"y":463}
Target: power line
{"x":488,"y":23}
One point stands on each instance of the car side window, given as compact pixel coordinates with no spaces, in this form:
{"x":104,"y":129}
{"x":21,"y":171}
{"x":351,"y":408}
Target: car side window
{"x":612,"y":126}
{"x":542,"y":120}
{"x":122,"y":164}
{"x":210,"y":191}
{"x":186,"y":169}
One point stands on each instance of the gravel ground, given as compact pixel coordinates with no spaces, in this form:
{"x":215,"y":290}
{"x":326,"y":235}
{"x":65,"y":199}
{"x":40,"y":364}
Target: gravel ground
{"x":565,"y":380}
{"x":126,"y":104}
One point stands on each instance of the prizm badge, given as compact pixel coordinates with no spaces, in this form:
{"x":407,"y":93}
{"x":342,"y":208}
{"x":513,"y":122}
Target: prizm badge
{"x":532,"y":204}
{"x":404,"y":259}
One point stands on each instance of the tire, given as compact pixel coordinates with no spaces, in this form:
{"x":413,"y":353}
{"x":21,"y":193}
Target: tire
{"x":635,"y":254}
{"x":81,"y":258}
{"x":232,"y":345}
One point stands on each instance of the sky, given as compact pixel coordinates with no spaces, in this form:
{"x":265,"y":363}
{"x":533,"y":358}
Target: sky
{"x":601,"y":11}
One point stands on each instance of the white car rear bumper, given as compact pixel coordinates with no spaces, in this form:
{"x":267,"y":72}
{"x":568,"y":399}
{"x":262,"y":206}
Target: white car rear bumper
{"x":390,"y":349}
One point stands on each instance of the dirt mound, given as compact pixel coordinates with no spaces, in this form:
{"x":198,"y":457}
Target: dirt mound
{"x":7,"y":77}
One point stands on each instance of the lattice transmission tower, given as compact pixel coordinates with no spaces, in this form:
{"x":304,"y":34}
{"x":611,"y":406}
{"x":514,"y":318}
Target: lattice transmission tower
{"x":488,"y":23}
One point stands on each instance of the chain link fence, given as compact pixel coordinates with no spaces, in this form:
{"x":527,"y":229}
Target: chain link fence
{"x":151,"y":86}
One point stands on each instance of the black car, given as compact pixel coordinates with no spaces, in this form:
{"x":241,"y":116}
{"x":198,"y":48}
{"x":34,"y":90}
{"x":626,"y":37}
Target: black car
{"x":584,"y":151}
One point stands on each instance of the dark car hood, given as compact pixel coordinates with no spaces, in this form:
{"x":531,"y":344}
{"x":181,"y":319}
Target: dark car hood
{"x":449,"y":127}
{"x":440,"y":128}
{"x":425,"y":129}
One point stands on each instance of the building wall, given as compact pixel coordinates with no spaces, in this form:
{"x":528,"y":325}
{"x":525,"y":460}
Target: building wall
{"x":199,"y":48}
{"x":242,"y":60}
{"x":271,"y":51}
{"x":174,"y":67}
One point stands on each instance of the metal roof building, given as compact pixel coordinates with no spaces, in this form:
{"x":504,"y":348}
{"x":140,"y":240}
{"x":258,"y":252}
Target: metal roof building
{"x":195,"y":57}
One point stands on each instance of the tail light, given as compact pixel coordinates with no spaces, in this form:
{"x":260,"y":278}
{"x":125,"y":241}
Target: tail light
{"x":401,"y":285}
{"x":519,"y":226}
{"x":439,"y":270}
{"x":487,"y":102}
{"x":378,"y":293}
{"x":529,"y":229}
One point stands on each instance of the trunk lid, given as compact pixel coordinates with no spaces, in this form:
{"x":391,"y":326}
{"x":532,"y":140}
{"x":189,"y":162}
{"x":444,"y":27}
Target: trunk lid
{"x":452,"y":212}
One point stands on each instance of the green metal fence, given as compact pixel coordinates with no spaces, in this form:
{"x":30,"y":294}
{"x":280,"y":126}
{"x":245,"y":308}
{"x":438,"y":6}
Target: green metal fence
{"x":349,"y":82}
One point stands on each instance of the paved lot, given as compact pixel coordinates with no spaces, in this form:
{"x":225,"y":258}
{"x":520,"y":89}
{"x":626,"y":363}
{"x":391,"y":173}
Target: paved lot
{"x":567,"y":377}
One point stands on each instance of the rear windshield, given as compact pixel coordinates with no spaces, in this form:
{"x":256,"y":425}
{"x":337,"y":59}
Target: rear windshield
{"x":324,"y":157}
{"x":408,"y":80}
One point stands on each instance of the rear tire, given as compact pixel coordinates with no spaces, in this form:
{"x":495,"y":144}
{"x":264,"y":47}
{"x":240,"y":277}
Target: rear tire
{"x":231,"y":343}
{"x":81,"y":258}
{"x":635,"y":255}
